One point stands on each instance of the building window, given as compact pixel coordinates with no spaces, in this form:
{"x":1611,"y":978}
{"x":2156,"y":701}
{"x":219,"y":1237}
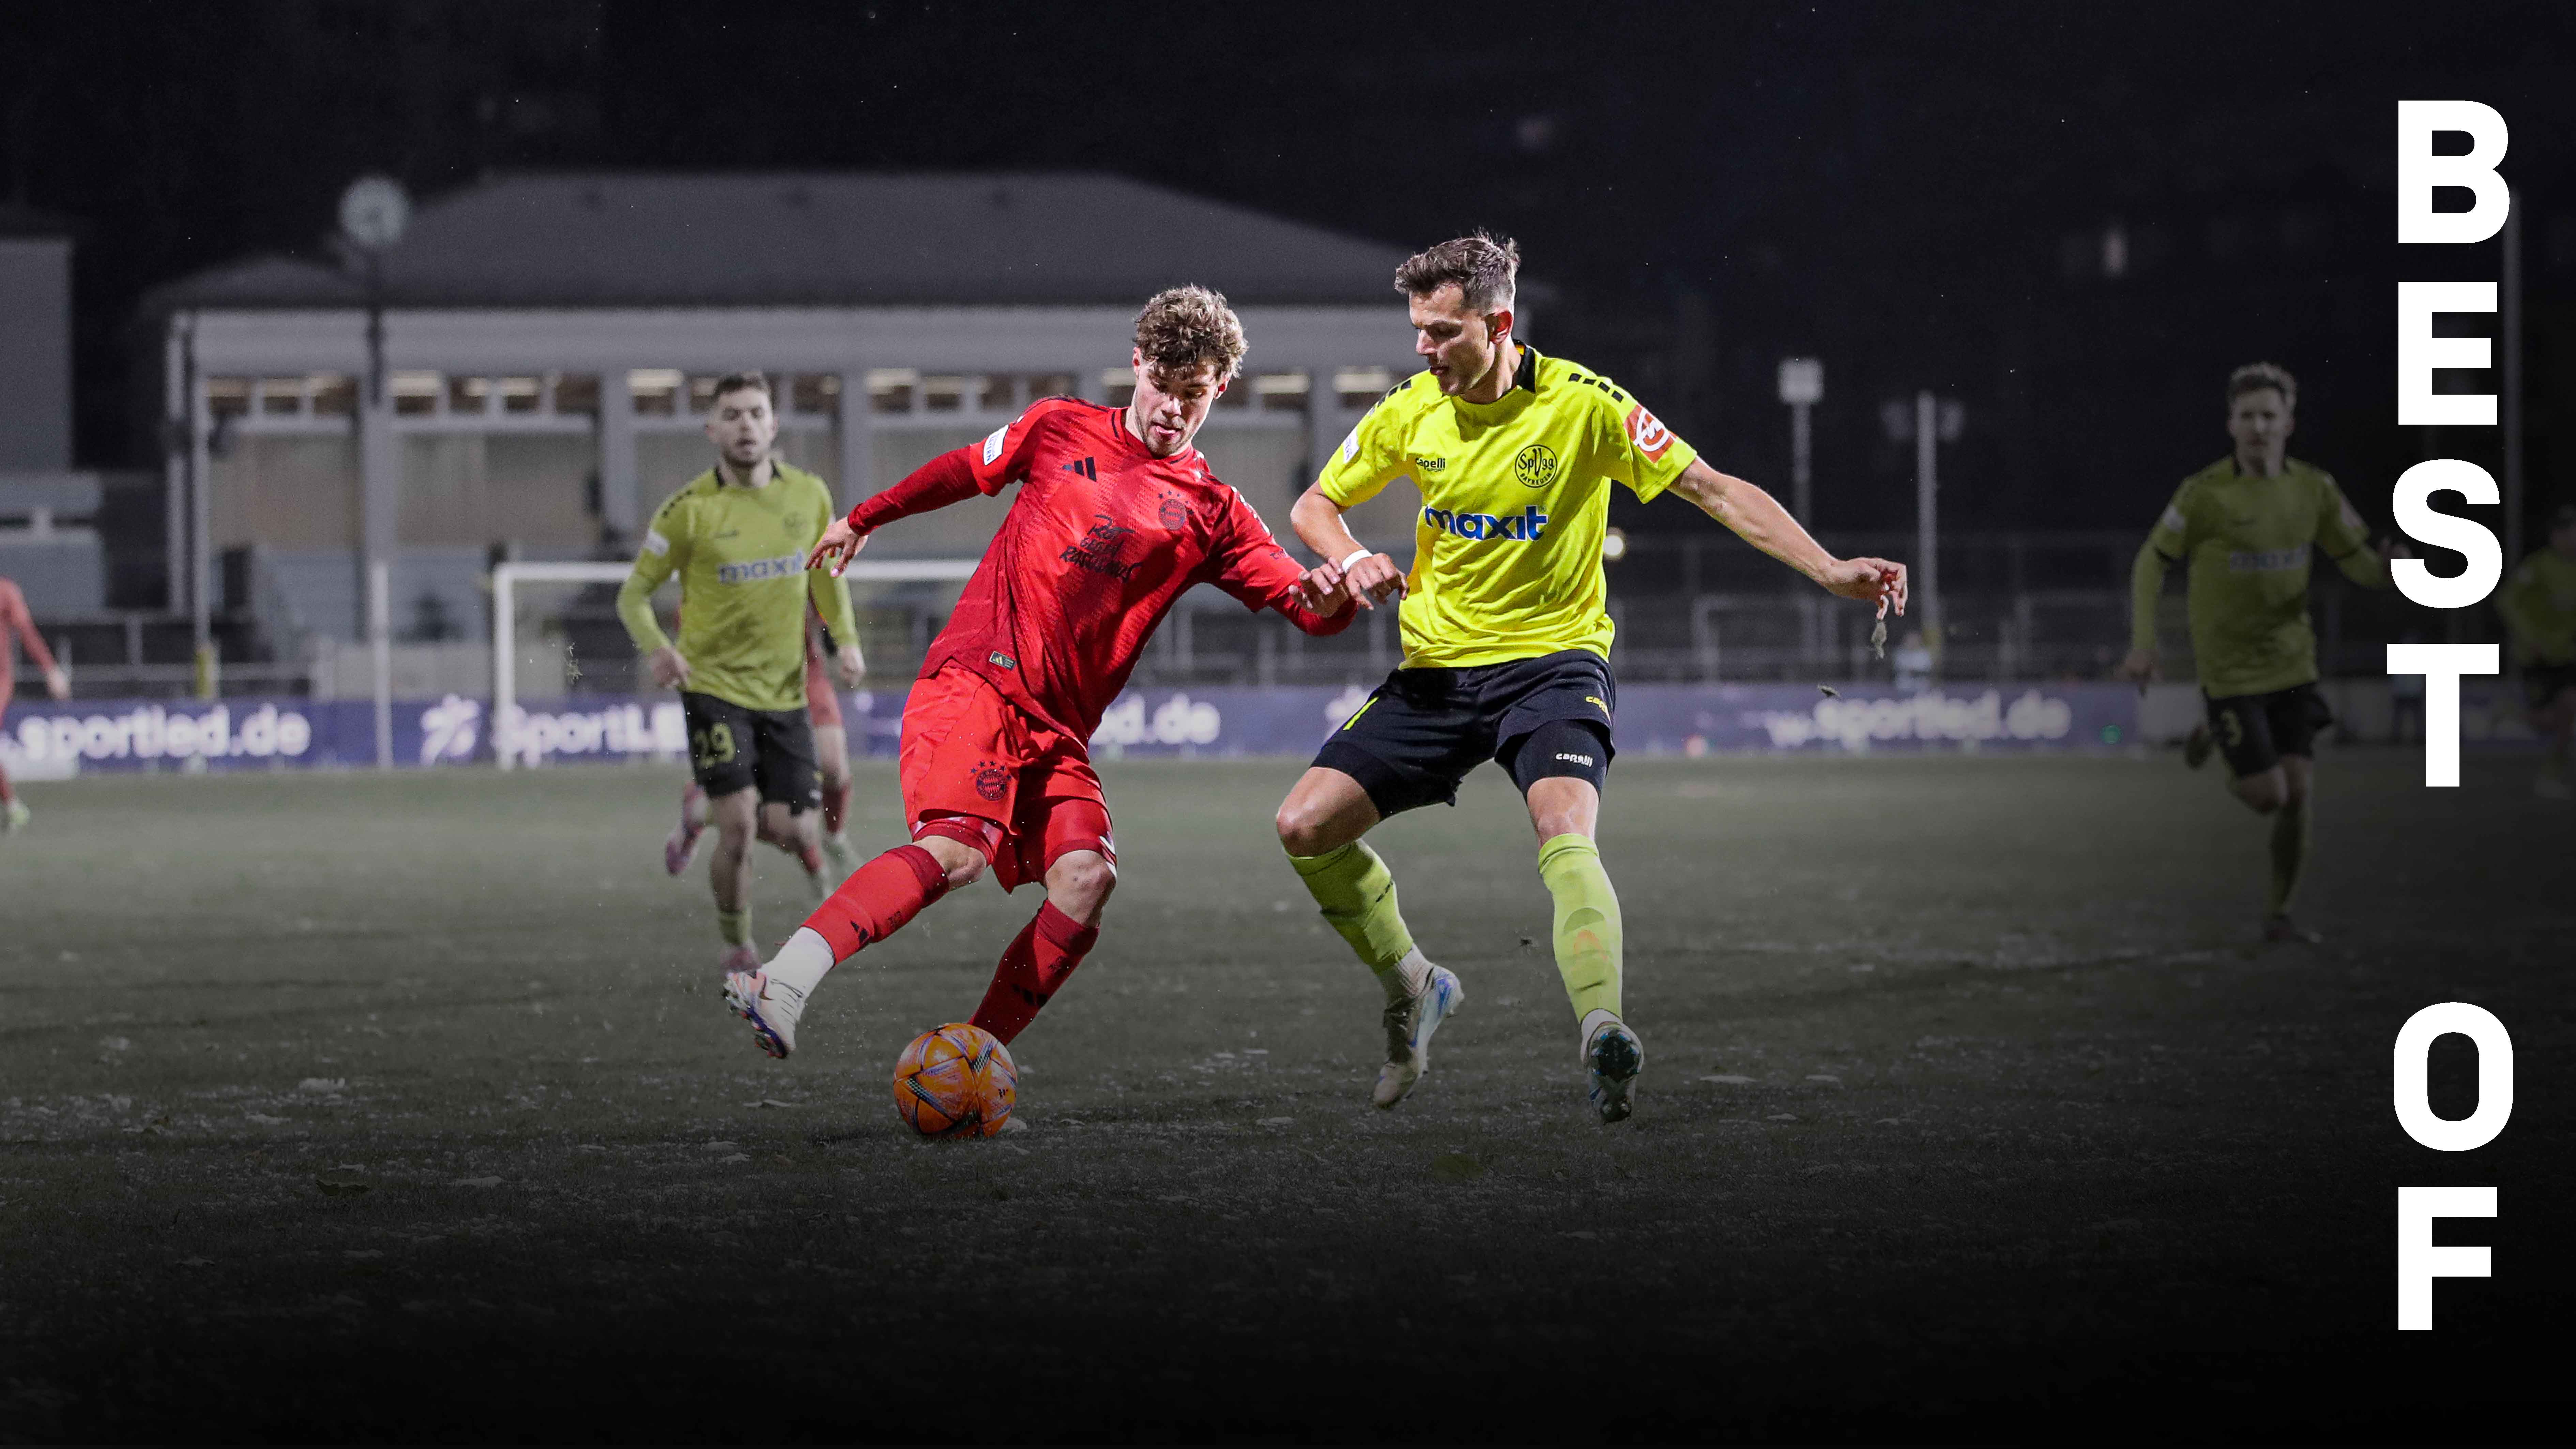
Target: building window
{"x":1281,"y":392}
{"x":1120,"y":385}
{"x":656,"y":391}
{"x":890,"y":389}
{"x":334,"y":395}
{"x":945,"y":394}
{"x":520,"y":394}
{"x":577,"y":393}
{"x":1050,"y":384}
{"x":281,"y":397}
{"x":995,"y":392}
{"x":228,"y":397}
{"x":415,"y":393}
{"x":1357,"y":387}
{"x":468,"y":395}
{"x":816,"y":394}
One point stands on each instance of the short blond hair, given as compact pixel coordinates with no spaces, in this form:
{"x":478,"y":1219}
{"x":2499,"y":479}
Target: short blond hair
{"x":1183,"y":327}
{"x":2256,"y":376}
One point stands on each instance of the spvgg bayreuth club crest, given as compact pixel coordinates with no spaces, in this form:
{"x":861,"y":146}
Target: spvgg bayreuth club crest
{"x":991,"y":779}
{"x":1536,"y":466}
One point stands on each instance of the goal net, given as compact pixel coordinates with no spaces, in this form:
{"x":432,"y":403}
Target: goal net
{"x":568,"y":684}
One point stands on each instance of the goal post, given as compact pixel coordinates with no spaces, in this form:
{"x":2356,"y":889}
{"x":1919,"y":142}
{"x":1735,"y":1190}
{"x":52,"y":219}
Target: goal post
{"x":509,"y":578}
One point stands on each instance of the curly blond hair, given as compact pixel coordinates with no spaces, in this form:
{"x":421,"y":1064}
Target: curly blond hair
{"x":1183,"y":327}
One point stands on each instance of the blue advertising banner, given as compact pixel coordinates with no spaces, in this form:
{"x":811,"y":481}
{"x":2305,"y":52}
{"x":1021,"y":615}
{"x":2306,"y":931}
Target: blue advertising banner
{"x":47,"y":739}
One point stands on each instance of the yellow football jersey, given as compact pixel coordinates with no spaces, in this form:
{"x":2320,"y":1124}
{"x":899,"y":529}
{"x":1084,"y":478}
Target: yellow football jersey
{"x":2249,"y":541}
{"x":1515,"y":500}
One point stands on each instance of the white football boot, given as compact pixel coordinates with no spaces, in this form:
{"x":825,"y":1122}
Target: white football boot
{"x":1409,"y":1025}
{"x":1612,"y":1058}
{"x":771,"y":1007}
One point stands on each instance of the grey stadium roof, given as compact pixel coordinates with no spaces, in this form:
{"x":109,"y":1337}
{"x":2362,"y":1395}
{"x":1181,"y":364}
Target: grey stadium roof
{"x":785,"y":239}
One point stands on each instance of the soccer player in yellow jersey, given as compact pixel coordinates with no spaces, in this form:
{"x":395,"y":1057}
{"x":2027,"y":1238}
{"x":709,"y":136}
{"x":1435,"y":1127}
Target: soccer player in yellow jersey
{"x":737,"y":536}
{"x":2539,"y":608}
{"x":1506,"y":635}
{"x":2247,"y":523}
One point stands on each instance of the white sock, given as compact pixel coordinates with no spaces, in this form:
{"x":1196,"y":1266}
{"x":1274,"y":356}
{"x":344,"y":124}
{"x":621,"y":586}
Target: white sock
{"x":1408,"y":978}
{"x":1592,"y":1022}
{"x":801,"y":964}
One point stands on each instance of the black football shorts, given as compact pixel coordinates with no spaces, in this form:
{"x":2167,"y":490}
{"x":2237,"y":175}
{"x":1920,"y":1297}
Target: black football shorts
{"x":1424,"y":729}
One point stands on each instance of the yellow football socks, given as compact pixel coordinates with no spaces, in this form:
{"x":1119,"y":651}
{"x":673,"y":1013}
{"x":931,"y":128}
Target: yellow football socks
{"x":1587,"y":923}
{"x":1357,"y":895}
{"x":734,"y":926}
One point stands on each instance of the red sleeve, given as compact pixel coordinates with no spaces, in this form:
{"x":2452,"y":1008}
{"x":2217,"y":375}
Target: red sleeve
{"x":943,"y":480}
{"x":13,"y":610}
{"x":1249,"y":564}
{"x":1002,"y":458}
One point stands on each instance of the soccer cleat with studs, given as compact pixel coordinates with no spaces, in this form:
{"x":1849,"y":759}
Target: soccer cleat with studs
{"x":1612,"y":1058}
{"x":772,"y":1011}
{"x":1409,"y":1025}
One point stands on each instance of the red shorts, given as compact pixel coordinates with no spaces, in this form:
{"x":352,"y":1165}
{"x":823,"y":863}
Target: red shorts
{"x":822,"y":700}
{"x":979,"y":770}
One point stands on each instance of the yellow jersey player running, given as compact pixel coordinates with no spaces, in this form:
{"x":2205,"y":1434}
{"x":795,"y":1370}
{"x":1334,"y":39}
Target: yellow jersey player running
{"x":1506,"y":636}
{"x":2539,"y":608}
{"x":2247,"y":524}
{"x":737,"y":536}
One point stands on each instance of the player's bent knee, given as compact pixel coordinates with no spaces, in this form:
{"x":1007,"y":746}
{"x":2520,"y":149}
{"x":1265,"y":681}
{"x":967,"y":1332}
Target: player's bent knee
{"x":1082,"y":877}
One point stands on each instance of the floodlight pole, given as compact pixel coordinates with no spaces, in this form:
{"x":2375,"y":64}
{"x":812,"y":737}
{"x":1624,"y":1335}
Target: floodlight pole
{"x":1802,"y":386}
{"x":1927,"y":519}
{"x":380,"y":605}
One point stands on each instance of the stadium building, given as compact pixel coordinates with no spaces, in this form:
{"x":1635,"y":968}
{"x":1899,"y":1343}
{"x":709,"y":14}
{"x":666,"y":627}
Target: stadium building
{"x":550,"y":340}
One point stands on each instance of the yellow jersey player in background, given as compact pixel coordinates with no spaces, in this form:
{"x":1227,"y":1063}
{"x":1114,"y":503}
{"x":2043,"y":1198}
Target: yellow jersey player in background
{"x":737,"y":536}
{"x":2539,"y":608}
{"x":2247,"y":524}
{"x":1506,"y":636}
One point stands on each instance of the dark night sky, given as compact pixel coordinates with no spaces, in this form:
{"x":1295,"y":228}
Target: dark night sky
{"x":1914,"y":193}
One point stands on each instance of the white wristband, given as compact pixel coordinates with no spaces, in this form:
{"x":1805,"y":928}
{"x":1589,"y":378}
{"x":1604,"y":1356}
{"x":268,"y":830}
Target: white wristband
{"x":1356,"y":555}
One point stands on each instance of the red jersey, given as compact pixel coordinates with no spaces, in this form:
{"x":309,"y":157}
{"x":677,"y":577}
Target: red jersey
{"x":1103,"y":539}
{"x":16,"y":624}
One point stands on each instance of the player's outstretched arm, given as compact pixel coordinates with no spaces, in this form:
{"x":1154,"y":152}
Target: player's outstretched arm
{"x":948,"y":478}
{"x":1757,"y":518}
{"x":1365,"y":576}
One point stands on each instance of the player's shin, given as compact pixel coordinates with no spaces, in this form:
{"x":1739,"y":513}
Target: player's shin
{"x":2292,"y":829}
{"x":836,"y":807}
{"x":876,"y":901}
{"x":1588,"y":948}
{"x":1032,"y":971}
{"x":1356,"y":893}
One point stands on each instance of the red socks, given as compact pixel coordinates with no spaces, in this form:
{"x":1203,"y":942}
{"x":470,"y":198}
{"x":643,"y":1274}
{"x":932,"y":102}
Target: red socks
{"x":836,"y":807}
{"x":878,"y":898}
{"x":1032,"y":970}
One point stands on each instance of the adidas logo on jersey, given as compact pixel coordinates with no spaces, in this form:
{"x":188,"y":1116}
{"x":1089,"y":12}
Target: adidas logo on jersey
{"x":1086,"y":468}
{"x":1527,"y":524}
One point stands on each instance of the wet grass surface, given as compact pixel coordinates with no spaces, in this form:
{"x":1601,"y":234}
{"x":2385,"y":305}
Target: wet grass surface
{"x":345,"y":1106}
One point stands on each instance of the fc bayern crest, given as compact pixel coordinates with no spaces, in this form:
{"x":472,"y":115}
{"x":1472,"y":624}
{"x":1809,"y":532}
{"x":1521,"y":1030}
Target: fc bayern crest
{"x":991,"y":780}
{"x":1175,"y":517}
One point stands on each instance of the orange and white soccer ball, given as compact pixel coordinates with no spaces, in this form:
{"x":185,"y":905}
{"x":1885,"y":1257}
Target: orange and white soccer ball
{"x":955,"y":1081}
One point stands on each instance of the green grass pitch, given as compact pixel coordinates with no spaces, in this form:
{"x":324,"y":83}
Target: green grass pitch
{"x":345,"y":1105}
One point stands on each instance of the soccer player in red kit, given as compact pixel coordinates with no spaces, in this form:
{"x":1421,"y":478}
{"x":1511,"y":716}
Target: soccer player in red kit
{"x":1116,"y":518}
{"x":16,"y":624}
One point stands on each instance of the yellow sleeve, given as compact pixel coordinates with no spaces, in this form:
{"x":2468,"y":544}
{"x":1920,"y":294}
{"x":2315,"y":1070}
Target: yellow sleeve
{"x":2518,"y":601}
{"x":2171,"y":536}
{"x":2339,"y":529}
{"x":1368,"y":460}
{"x":1637,"y":449}
{"x":663,"y":553}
